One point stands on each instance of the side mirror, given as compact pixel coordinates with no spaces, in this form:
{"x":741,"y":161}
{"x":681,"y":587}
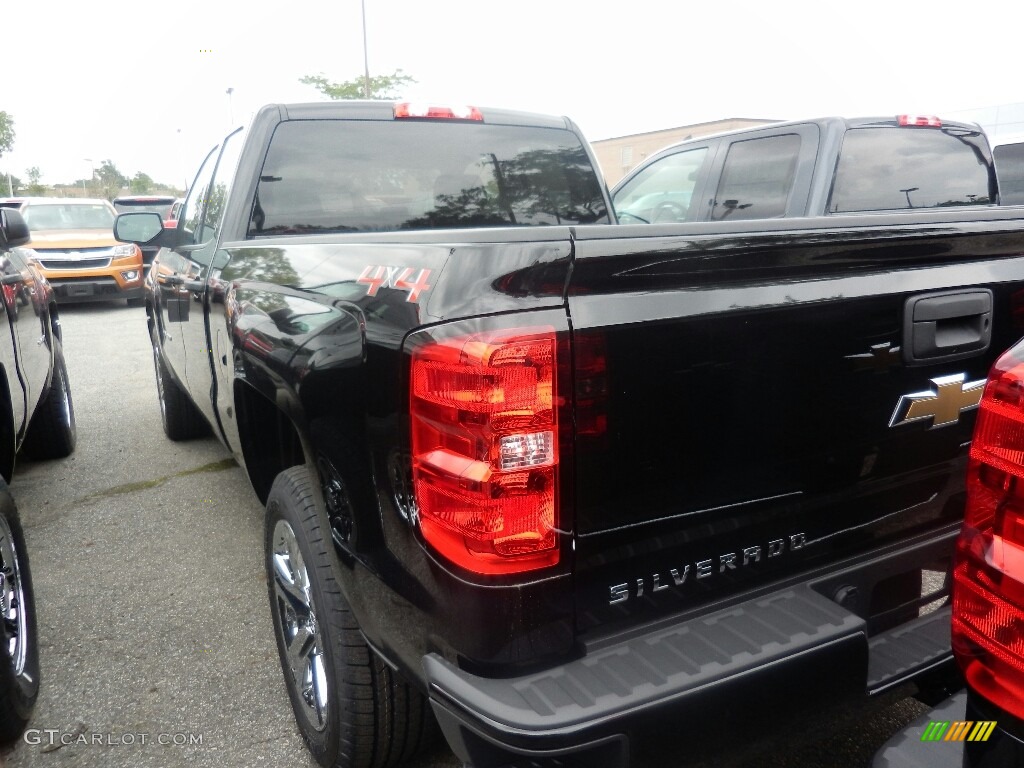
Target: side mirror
{"x":139,"y":227}
{"x":13,"y":229}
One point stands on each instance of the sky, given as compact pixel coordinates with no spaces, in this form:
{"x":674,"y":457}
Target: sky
{"x":145,"y":84}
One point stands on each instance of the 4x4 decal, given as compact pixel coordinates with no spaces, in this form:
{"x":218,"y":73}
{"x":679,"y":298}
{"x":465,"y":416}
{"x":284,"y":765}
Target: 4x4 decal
{"x":401,"y":278}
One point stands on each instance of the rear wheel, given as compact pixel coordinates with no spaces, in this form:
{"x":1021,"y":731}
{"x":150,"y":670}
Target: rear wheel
{"x":180,"y":417}
{"x":19,"y":653}
{"x":352,"y":709}
{"x":52,"y":432}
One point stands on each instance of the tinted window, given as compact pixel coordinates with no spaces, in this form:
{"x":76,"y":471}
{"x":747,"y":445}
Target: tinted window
{"x":889,"y":168}
{"x":663,"y":190}
{"x":757,"y":178}
{"x":192,"y":209}
{"x":374,"y":176}
{"x":218,"y":190}
{"x":1010,"y":171}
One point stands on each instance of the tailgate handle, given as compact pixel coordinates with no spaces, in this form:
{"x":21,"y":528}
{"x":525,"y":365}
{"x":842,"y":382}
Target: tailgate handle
{"x":951,"y":325}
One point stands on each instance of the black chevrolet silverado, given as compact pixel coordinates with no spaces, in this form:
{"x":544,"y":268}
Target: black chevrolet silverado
{"x":572,"y":490}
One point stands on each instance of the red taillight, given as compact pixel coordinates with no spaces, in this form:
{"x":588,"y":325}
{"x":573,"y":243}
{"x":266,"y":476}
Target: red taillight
{"x":435,"y":112}
{"x":485,"y":446}
{"x":988,"y":576}
{"x":920,"y":121}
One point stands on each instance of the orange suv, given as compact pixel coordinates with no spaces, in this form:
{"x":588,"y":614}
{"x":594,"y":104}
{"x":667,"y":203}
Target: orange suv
{"x":73,"y":243}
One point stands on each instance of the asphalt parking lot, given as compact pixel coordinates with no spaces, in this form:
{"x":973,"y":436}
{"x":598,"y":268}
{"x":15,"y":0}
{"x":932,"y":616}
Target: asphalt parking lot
{"x":150,"y":590}
{"x":155,"y":634}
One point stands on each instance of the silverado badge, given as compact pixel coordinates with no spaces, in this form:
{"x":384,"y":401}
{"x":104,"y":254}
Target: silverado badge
{"x":949,"y":397}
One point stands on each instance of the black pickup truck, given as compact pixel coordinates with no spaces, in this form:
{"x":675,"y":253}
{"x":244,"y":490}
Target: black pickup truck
{"x":579,"y":490}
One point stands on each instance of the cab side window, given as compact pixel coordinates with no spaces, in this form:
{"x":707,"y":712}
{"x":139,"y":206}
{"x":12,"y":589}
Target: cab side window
{"x":194,"y":233}
{"x":757,"y":178}
{"x":217,"y":191}
{"x":663,"y":191}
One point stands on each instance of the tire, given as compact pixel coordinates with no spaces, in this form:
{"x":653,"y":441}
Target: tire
{"x":52,"y":433}
{"x":353,"y":711}
{"x":19,"y":651}
{"x":180,"y":417}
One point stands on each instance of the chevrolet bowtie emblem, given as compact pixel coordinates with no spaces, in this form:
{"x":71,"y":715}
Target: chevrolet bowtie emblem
{"x":951,"y":396}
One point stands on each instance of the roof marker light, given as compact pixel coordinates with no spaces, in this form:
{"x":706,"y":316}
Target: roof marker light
{"x":435,"y":112}
{"x":920,"y":121}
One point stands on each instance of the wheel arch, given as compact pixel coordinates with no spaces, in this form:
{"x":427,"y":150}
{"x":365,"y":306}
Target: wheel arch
{"x":269,"y":440}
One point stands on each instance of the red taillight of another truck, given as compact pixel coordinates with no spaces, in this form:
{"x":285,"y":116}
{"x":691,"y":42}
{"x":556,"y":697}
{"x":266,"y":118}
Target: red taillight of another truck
{"x":988,"y":577}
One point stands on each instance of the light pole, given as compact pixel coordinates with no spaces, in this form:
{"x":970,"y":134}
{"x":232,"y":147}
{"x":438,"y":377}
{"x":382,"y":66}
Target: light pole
{"x":180,"y":170}
{"x":92,"y":172}
{"x":366,"y":57}
{"x":231,"y":109}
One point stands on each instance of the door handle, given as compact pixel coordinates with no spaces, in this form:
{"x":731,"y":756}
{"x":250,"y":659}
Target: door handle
{"x":946,"y":326}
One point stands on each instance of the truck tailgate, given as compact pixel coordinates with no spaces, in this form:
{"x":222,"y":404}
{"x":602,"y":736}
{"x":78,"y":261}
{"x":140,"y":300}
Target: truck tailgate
{"x":758,"y":405}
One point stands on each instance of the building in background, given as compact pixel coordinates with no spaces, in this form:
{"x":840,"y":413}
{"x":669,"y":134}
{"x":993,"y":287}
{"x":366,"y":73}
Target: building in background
{"x":620,"y":155}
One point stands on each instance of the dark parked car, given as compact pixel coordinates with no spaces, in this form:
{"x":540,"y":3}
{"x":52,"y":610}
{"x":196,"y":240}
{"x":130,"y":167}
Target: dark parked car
{"x":157,"y":203}
{"x":37,"y":417}
{"x":983,"y":727}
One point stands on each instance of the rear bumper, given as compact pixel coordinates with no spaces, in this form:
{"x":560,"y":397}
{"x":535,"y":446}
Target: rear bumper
{"x":703,"y":681}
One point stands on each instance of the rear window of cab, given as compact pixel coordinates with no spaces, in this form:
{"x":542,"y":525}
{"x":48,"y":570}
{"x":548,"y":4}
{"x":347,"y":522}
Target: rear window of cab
{"x":323,"y":176}
{"x":883,"y":168}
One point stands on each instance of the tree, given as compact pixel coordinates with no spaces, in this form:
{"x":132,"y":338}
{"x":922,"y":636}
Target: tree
{"x":141,"y":183}
{"x":6,"y":132}
{"x":381,"y":87}
{"x":34,"y":187}
{"x":6,"y":142}
{"x":111,"y":178}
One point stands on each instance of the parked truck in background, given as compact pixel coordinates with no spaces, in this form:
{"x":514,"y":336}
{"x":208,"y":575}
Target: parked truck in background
{"x":1009,"y":160}
{"x":576,"y":491}
{"x":828,"y":166}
